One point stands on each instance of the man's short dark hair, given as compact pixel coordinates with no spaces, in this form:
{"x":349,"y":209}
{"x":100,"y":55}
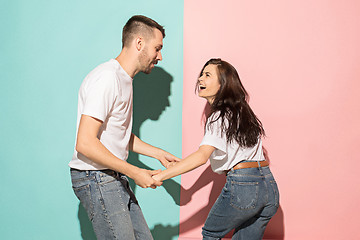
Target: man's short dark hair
{"x":137,"y":24}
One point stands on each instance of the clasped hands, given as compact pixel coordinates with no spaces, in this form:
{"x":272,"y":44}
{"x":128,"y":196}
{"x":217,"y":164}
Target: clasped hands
{"x":148,"y":178}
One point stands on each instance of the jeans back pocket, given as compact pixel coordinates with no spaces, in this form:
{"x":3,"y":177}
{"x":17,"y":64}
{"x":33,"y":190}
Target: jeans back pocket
{"x":244,"y":195}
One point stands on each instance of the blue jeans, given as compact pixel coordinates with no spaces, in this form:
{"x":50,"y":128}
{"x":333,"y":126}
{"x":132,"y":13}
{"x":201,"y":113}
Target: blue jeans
{"x":247,"y":202}
{"x":110,"y":204}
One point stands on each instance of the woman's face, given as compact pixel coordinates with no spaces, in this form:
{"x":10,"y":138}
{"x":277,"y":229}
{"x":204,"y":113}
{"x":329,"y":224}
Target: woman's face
{"x":209,"y":83}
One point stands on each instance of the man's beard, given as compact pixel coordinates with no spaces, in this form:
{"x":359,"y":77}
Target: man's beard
{"x":147,"y":70}
{"x":143,"y":59}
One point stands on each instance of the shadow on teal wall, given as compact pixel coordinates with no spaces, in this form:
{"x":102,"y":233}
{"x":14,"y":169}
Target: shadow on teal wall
{"x":87,"y":231}
{"x":47,"y":48}
{"x":151,"y":97}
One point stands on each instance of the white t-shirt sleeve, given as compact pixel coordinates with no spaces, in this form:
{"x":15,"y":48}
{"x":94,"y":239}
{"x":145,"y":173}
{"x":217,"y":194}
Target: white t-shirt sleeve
{"x":214,"y":137}
{"x":100,"y":96}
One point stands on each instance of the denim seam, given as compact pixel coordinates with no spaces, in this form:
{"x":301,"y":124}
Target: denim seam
{"x":247,"y":175}
{"x":83,"y":179}
{"x":86,"y":187}
{"x":106,"y":216}
{"x":102,"y":182}
{"x":267,"y":191}
{"x":272,"y":182}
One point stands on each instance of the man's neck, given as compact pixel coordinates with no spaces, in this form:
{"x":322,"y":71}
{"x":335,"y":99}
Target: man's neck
{"x":128,"y":62}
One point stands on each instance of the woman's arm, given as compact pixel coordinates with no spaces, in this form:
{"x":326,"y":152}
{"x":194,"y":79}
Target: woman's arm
{"x":191,"y":162}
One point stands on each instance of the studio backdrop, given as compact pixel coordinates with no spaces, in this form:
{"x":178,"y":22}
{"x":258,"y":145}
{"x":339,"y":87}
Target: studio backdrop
{"x":299,"y":61}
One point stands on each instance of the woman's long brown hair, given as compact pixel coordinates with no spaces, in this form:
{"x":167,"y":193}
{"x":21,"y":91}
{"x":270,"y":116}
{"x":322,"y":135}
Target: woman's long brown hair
{"x":231,"y":102}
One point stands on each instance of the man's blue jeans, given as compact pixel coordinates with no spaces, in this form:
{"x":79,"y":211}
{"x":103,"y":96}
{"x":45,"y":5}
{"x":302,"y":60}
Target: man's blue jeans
{"x":111,"y":205}
{"x":247,"y":202}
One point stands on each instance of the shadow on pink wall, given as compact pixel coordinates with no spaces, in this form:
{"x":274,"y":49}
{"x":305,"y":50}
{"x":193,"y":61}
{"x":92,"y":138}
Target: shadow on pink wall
{"x":274,"y":230}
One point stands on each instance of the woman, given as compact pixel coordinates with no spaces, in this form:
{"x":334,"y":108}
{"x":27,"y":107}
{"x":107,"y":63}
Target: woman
{"x":233,"y":143}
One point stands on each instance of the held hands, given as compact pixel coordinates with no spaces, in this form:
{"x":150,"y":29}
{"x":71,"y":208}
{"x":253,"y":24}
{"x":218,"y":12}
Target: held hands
{"x":160,"y":176}
{"x":157,"y":177}
{"x":147,"y":178}
{"x":167,"y":159}
{"x":144,"y":179}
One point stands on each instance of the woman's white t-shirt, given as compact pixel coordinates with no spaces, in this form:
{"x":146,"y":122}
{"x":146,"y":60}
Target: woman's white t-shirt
{"x":227,"y":155}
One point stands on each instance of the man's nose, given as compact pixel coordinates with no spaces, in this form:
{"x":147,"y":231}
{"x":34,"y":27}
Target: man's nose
{"x":159,"y":57}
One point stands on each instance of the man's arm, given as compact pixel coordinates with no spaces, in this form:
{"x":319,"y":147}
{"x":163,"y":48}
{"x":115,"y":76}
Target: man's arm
{"x":90,"y":146}
{"x":138,"y":146}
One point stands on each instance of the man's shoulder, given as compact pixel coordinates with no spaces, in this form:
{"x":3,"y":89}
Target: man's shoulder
{"x":103,"y":74}
{"x":106,"y":69}
{"x":109,"y":66}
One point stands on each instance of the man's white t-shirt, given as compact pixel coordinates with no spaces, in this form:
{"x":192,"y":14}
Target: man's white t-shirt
{"x":227,"y":155}
{"x":107,"y":95}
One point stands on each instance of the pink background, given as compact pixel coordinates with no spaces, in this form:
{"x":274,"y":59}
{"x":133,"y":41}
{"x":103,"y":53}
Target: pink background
{"x":299,"y":60}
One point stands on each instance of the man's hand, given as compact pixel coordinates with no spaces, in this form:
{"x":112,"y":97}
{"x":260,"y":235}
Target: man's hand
{"x":144,"y":179}
{"x":171,"y":164}
{"x":167,"y":159}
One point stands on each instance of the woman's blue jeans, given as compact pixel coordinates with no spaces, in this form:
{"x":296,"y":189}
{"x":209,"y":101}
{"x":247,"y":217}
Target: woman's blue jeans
{"x":111,"y":205}
{"x":247,"y":202}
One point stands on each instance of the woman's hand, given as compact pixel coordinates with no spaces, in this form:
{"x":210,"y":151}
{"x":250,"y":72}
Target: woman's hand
{"x":156,"y":177}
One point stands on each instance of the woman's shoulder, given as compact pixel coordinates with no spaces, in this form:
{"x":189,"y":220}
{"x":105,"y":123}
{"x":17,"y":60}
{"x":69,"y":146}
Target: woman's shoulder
{"x":218,"y":117}
{"x":215,"y":116}
{"x":217,"y":121}
{"x":213,"y":119}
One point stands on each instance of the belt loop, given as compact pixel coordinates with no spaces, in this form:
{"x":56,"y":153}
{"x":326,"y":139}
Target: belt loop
{"x":87,"y":173}
{"x":260,"y":168}
{"x":231,"y":170}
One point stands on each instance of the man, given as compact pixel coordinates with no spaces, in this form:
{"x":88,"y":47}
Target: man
{"x":99,"y":169}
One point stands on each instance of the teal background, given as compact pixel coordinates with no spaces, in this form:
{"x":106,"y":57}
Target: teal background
{"x":47,"y":48}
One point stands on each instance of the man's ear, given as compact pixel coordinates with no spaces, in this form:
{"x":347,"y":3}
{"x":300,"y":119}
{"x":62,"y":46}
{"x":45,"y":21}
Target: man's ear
{"x":139,"y":42}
